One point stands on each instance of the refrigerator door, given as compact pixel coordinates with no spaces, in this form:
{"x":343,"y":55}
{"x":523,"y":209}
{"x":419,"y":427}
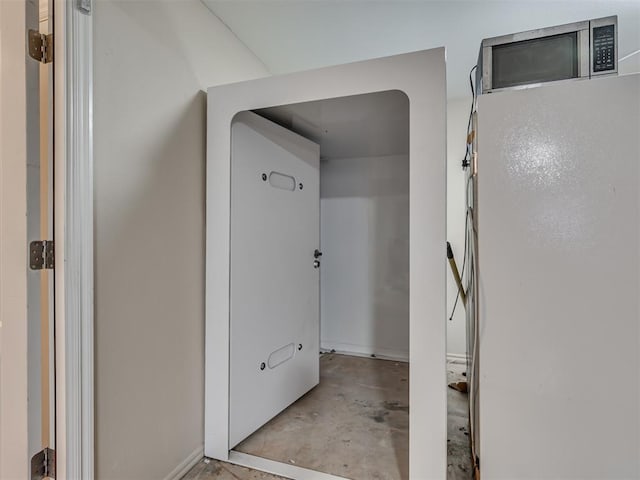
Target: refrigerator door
{"x":559,"y":263}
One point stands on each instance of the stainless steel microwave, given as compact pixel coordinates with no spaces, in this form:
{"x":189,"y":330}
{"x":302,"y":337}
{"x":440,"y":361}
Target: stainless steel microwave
{"x":577,"y":50}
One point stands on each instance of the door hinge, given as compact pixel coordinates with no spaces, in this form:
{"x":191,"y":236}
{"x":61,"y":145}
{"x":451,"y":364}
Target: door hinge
{"x":41,"y":254}
{"x":43,"y":464}
{"x":41,"y":46}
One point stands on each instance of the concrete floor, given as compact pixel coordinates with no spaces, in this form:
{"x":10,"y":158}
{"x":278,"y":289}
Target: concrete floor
{"x":354,"y":424}
{"x":208,"y":469}
{"x":459,"y":465}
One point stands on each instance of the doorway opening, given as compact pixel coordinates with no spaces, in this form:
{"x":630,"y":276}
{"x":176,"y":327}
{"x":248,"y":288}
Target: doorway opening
{"x":40,"y":234}
{"x":319,"y":285}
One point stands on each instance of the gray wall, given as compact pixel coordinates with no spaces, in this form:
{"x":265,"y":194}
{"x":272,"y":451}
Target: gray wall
{"x":365,"y":264}
{"x":151,"y":61}
{"x":340,"y":204}
{"x":457,"y":118}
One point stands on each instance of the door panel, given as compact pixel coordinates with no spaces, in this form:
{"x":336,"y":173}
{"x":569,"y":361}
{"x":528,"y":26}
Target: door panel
{"x":275,"y":216}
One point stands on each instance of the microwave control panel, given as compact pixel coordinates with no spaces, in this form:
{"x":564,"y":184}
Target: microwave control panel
{"x":603,"y":44}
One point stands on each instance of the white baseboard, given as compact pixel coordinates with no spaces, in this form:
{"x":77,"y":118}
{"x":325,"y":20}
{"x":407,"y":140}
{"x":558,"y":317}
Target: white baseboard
{"x":457,"y":358}
{"x":381,"y":353}
{"x":365,"y":351}
{"x":186,"y":465}
{"x":285,"y":470}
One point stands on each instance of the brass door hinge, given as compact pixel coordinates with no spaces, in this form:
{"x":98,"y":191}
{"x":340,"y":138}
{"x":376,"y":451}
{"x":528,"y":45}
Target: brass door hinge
{"x":43,"y":464}
{"x":41,"y":46}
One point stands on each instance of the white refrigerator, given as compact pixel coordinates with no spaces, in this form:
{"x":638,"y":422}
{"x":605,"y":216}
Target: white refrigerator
{"x":558,"y":260}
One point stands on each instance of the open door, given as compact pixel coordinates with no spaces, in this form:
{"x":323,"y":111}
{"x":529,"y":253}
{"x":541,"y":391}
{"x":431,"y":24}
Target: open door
{"x":275,"y":280}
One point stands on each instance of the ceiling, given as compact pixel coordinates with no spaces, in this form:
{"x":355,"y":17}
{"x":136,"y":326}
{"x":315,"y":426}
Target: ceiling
{"x":369,"y":125}
{"x":293,"y":35}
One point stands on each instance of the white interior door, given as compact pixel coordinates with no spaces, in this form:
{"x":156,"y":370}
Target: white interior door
{"x":275,"y":216}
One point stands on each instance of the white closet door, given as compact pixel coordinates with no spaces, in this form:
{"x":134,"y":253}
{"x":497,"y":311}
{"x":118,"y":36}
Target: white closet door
{"x":275,"y":216}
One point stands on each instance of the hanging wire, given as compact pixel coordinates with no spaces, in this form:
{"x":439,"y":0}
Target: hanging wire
{"x":471,"y":239}
{"x":465,"y":164}
{"x":467,"y":155}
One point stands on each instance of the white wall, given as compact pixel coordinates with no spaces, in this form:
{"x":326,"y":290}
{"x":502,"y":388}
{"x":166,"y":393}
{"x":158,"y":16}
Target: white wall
{"x":630,"y":64}
{"x":347,"y":31}
{"x":151,"y":61}
{"x":14,"y":459}
{"x":457,"y":118}
{"x":364,"y":204}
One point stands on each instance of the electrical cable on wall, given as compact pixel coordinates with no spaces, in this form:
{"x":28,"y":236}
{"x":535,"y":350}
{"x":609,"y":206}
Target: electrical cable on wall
{"x":465,"y":165}
{"x":469,"y":292}
{"x":471,"y":259}
{"x":467,"y":155}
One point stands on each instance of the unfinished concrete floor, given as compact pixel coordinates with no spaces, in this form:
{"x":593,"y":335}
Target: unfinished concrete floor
{"x":354,"y":424}
{"x":209,"y":469}
{"x":459,"y":466}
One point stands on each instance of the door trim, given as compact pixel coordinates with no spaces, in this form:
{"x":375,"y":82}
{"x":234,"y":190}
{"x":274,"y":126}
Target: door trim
{"x":73,"y":211}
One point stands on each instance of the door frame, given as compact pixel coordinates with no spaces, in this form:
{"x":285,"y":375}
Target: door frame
{"x":73,"y":227}
{"x":422,"y":77}
{"x":73,"y":236}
